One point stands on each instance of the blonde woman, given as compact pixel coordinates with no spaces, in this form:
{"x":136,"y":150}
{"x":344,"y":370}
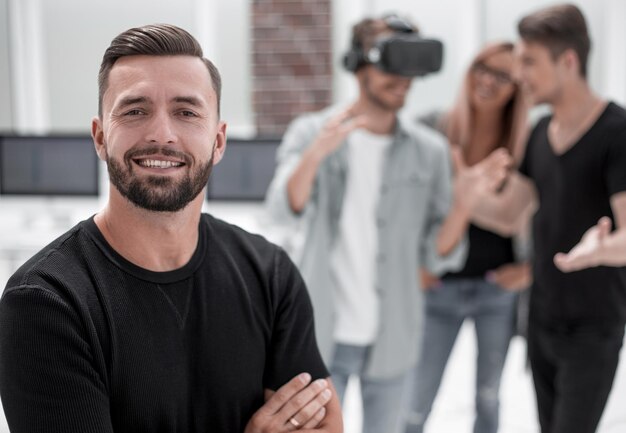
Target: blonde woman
{"x":489,"y":113}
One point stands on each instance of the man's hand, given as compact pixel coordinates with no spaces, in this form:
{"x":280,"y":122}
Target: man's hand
{"x":335,"y":131}
{"x":589,"y":251}
{"x":486,"y":177}
{"x":328,"y":140}
{"x":299,"y":404}
{"x":429,"y":281}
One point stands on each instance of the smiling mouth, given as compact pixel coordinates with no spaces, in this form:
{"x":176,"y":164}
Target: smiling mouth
{"x":158,"y":163}
{"x":399,"y":91}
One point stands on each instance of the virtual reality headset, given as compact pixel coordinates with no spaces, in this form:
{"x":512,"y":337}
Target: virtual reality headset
{"x":400,"y":54}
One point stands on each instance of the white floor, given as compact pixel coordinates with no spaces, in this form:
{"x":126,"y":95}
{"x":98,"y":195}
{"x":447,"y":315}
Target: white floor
{"x":453,"y":408}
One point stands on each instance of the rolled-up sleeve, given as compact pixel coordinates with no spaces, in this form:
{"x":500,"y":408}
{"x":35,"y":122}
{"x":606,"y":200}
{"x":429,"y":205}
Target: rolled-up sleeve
{"x":439,"y":205}
{"x":296,"y":139}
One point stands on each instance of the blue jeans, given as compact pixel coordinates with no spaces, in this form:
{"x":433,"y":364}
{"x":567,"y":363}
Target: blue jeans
{"x":381,"y":398}
{"x":492,"y":310}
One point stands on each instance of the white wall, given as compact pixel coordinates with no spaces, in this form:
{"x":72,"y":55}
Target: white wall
{"x":56,"y":48}
{"x":5,"y":87}
{"x":48,"y":65}
{"x":464,"y":25}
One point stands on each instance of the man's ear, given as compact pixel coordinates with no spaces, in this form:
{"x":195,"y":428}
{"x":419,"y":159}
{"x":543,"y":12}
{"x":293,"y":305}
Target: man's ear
{"x":219,"y":146}
{"x":571,"y":60}
{"x":97,"y":134}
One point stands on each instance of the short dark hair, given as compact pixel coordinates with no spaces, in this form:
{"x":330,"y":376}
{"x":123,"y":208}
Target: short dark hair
{"x":366,"y":31}
{"x":154,"y":40}
{"x":559,"y":28}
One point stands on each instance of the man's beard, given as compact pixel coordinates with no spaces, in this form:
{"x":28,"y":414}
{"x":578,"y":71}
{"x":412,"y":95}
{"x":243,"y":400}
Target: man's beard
{"x":158,"y":193}
{"x":378,"y":101}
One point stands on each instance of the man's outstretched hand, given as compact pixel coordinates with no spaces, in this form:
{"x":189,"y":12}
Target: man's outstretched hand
{"x":589,"y":251}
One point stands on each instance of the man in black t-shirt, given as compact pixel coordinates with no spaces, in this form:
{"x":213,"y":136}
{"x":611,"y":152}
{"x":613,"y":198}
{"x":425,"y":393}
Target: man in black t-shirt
{"x":149,"y":316}
{"x":574,"y":175}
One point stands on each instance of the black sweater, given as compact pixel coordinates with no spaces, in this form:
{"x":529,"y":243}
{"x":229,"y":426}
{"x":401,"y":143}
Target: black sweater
{"x":90,"y":342}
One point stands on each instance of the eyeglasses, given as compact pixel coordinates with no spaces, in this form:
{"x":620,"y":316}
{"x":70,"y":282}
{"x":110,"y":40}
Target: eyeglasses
{"x":500,"y":77}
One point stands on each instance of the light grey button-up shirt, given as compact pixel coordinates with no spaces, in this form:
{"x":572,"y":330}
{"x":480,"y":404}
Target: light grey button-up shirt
{"x":414,"y":198}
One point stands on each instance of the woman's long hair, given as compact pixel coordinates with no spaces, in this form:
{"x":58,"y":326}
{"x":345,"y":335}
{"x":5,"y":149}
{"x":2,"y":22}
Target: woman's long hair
{"x":459,"y":121}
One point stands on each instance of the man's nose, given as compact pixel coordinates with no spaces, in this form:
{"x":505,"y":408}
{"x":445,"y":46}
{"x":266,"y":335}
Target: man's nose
{"x":161,"y":129}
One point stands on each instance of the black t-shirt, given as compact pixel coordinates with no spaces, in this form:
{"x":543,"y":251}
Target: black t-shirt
{"x":90,"y":342}
{"x":574,"y":192}
{"x":487,"y":251}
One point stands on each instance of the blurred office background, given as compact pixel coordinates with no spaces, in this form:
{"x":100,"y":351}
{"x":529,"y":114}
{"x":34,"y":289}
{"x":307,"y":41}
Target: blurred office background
{"x":278,"y":58}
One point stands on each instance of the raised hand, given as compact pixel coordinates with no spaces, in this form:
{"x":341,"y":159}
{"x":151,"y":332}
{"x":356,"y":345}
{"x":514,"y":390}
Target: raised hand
{"x":589,"y":251}
{"x":336,"y":130}
{"x":328,"y":140}
{"x":299,"y":404}
{"x":471,"y":183}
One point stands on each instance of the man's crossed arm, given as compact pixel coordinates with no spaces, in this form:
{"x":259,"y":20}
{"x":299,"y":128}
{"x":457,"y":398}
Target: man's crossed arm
{"x":299,"y":405}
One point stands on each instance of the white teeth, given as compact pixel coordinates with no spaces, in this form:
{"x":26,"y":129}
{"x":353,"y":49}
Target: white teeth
{"x":158,"y":163}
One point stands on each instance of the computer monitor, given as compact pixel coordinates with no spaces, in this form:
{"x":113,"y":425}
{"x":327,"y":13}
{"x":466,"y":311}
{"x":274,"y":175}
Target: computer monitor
{"x":68,"y":166}
{"x":48,"y":166}
{"x":245,"y":171}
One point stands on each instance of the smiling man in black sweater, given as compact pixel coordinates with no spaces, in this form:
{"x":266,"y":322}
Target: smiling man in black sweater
{"x":149,"y":316}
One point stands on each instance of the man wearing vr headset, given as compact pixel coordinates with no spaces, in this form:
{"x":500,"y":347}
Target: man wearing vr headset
{"x":374,"y":197}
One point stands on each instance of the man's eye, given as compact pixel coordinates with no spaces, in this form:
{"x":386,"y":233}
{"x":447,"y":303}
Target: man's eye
{"x":135,"y":112}
{"x":187,"y":113}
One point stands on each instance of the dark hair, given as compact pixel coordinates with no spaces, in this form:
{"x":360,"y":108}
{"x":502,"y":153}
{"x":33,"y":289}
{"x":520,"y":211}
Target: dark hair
{"x":154,"y":40}
{"x":558,"y":28}
{"x":365,"y":32}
